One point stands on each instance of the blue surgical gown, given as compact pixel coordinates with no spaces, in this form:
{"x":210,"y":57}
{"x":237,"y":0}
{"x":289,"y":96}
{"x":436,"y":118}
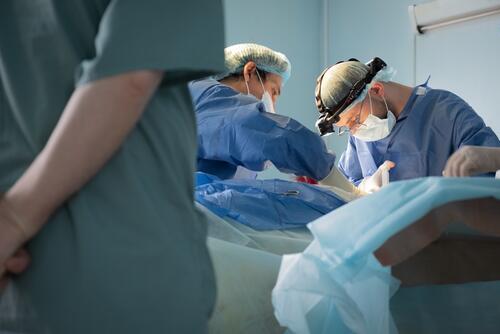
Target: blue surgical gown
{"x":433,"y":124}
{"x":234,"y":130}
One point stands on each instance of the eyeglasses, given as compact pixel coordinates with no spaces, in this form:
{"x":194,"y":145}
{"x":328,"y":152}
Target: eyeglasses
{"x":353,"y":122}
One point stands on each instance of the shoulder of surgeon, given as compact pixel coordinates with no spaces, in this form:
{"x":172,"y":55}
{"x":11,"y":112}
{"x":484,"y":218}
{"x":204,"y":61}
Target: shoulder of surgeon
{"x":213,"y":99}
{"x":211,"y":91}
{"x":443,"y":104}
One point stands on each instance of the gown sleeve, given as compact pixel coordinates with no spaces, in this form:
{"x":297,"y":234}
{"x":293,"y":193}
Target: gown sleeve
{"x":469,"y":129}
{"x":235,"y":128}
{"x":349,"y":163}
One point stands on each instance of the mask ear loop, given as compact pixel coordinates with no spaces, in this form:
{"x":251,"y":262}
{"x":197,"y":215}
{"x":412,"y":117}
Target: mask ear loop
{"x":263,"y":89}
{"x":386,"y":106}
{"x":371,"y":105}
{"x":248,"y":88}
{"x":358,"y":117}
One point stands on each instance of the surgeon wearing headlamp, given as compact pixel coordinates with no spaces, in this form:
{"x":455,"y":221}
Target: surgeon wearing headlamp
{"x":411,"y":131}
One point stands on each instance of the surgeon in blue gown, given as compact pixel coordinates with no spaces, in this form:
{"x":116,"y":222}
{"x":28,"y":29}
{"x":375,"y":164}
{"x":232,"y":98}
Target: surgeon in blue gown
{"x":239,"y":134}
{"x":417,"y":128}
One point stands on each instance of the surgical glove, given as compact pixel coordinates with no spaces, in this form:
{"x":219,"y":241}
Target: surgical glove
{"x":471,"y":160}
{"x":337,"y":180}
{"x":379,"y":179}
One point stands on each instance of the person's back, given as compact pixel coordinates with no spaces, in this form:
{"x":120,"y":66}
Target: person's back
{"x":127,"y":253}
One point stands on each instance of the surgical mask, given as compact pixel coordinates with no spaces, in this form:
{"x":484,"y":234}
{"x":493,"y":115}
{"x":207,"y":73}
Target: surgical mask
{"x":266,"y":97}
{"x":268,"y":102}
{"x":374,"y":128}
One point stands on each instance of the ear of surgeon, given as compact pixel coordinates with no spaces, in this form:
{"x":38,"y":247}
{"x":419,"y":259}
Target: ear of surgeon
{"x":263,"y":70}
{"x":265,"y":86}
{"x":259,"y":84}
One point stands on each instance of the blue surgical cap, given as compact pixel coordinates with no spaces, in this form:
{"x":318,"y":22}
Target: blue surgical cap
{"x":266,"y":59}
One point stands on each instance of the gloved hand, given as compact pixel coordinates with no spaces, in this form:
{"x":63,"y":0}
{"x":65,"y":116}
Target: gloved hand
{"x":338,"y":180}
{"x":470,"y":160}
{"x":379,"y":179}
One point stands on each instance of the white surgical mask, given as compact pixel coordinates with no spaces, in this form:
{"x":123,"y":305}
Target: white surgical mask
{"x":266,"y":97}
{"x":374,"y":128}
{"x":268,"y":102}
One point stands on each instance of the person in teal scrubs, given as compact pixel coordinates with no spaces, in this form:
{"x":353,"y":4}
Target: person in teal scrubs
{"x":97,"y":157}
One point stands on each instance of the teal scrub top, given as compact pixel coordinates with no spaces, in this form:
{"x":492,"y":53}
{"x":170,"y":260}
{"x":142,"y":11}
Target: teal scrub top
{"x":127,"y":253}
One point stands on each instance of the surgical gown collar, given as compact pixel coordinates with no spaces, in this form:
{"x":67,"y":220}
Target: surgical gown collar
{"x":411,"y":101}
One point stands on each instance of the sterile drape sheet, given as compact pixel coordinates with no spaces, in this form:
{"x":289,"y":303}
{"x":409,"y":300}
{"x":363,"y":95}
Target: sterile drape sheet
{"x":337,"y":285}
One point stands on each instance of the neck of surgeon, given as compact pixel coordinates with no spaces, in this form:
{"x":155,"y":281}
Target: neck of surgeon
{"x":396,"y":96}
